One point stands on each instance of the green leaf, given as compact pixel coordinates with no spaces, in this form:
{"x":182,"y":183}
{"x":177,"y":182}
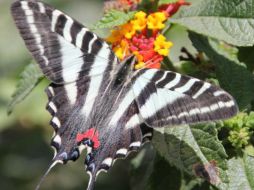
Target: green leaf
{"x":161,"y":2}
{"x":246,"y":55}
{"x":30,"y":77}
{"x":186,"y":67}
{"x":142,"y":167}
{"x":233,"y":75}
{"x":195,"y":150}
{"x":250,"y":120}
{"x":241,"y":173}
{"x":164,"y":176}
{"x":249,"y":150}
{"x":229,"y":20}
{"x":114,"y":18}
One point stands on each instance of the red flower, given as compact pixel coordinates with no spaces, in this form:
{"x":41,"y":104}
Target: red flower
{"x":172,"y":8}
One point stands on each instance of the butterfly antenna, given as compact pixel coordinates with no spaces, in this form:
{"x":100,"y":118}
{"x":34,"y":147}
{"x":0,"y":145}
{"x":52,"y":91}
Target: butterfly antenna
{"x":125,"y":52}
{"x":46,"y":173}
{"x":149,"y":62}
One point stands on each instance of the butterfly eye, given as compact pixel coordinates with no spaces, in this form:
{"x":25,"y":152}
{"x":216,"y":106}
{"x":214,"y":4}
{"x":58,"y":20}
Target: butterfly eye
{"x":74,"y":155}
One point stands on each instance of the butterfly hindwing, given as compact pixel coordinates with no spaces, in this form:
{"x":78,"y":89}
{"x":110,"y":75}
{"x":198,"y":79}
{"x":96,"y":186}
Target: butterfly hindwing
{"x":168,"y":98}
{"x":120,"y":131}
{"x":65,"y":50}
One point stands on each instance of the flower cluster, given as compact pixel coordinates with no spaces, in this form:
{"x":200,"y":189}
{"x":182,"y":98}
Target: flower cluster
{"x":239,"y":138}
{"x":141,"y":36}
{"x":241,"y":129}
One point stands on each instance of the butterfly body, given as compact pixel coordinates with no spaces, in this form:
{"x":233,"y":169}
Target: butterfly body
{"x":99,"y":131}
{"x":100,"y":103}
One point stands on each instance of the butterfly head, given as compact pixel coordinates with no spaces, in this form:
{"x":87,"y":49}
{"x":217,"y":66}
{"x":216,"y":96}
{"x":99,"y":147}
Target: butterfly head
{"x":130,"y":60}
{"x":125,"y":69}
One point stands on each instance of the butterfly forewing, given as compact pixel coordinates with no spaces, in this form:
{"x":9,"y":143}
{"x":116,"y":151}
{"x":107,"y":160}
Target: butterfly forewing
{"x":168,"y":98}
{"x":65,"y":50}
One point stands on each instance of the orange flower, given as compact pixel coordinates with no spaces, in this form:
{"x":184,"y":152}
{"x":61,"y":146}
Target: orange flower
{"x":122,"y":49}
{"x":115,"y":36}
{"x":140,"y":58}
{"x":128,"y":30}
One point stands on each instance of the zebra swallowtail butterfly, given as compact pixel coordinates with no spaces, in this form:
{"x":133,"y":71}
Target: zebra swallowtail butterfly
{"x":100,"y":103}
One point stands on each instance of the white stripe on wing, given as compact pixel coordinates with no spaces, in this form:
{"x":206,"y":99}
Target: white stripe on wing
{"x":96,"y":80}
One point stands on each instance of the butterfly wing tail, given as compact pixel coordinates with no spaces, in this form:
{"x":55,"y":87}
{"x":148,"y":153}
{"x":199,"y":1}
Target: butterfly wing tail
{"x":92,"y":179}
{"x":53,"y":163}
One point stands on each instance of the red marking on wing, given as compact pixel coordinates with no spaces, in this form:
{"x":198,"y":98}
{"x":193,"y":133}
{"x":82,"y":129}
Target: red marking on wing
{"x":89,"y":134}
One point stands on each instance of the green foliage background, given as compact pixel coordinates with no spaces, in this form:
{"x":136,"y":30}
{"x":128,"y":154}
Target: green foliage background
{"x":179,"y":155}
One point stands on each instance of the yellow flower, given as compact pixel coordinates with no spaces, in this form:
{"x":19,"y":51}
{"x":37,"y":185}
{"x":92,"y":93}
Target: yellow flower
{"x":122,"y":49}
{"x":140,"y":65}
{"x":138,"y":56}
{"x":161,"y":45}
{"x":128,"y":30}
{"x":155,"y":20}
{"x":139,"y":22}
{"x":124,"y":31}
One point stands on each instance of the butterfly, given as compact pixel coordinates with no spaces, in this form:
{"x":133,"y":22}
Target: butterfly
{"x":101,"y":104}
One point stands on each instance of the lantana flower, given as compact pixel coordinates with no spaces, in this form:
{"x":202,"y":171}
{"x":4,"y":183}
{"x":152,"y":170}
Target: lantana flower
{"x":128,"y":30}
{"x":139,"y":22}
{"x":155,"y":21}
{"x":161,"y":45}
{"x":121,"y":49}
{"x":142,"y":36}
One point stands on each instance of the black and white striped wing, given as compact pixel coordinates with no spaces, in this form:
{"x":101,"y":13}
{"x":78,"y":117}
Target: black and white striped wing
{"x":65,"y":50}
{"x":169,"y":98}
{"x":79,"y":64}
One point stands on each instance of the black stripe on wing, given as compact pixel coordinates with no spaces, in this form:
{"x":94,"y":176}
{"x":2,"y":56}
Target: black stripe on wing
{"x":64,"y":49}
{"x":168,"y":98}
